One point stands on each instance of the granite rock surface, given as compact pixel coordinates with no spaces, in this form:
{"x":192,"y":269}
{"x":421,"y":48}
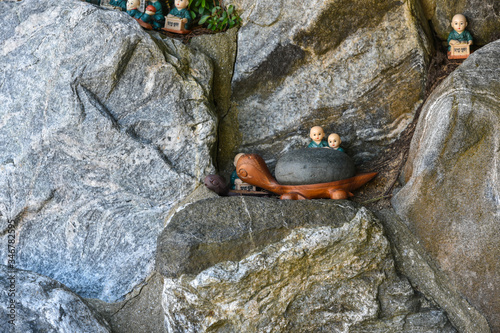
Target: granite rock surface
{"x":102,"y":134}
{"x":40,"y":304}
{"x":265,"y":265}
{"x":356,"y":68}
{"x":451,"y":196}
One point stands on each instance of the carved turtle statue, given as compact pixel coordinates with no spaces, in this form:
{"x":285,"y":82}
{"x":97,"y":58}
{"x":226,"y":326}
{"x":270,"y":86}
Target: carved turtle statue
{"x":252,"y":169}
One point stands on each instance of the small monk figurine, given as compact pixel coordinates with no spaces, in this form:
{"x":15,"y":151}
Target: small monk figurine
{"x":158,"y":18}
{"x":182,"y":12}
{"x":148,"y":17}
{"x":317,"y":135}
{"x":459,"y":35}
{"x":133,"y":8}
{"x":334,"y":142}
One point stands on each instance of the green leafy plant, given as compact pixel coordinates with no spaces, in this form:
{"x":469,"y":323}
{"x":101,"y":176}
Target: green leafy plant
{"x":216,"y":16}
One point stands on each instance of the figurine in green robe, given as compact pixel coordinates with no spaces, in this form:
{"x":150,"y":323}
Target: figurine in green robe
{"x":158,"y":18}
{"x":133,"y":8}
{"x":317,"y":135}
{"x":334,"y":142}
{"x":459,"y":35}
{"x":182,"y":12}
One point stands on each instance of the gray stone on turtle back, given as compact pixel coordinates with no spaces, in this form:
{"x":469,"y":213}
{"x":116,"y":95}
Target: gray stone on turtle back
{"x":313,"y":166}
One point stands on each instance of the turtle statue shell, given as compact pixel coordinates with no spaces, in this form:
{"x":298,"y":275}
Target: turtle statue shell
{"x":312,"y":166}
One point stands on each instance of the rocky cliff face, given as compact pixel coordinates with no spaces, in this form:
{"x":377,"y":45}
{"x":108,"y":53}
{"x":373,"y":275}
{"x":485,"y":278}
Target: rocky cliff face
{"x":101,"y":135}
{"x":356,"y":68}
{"x":38,"y":304}
{"x":106,"y":132}
{"x":451,"y":199}
{"x":264,"y":265}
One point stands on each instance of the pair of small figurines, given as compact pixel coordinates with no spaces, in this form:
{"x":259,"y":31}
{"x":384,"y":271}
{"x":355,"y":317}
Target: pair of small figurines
{"x":318,"y":139}
{"x":459,"y":39}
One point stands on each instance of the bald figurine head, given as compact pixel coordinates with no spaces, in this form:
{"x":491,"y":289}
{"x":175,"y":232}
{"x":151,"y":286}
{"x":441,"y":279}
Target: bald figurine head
{"x":237,"y":157}
{"x":133,"y":4}
{"x":459,"y":23}
{"x":334,"y":141}
{"x":317,"y":134}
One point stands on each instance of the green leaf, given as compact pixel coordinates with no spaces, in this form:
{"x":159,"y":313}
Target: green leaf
{"x":203,"y":3}
{"x":204,"y":18}
{"x":230,"y":9}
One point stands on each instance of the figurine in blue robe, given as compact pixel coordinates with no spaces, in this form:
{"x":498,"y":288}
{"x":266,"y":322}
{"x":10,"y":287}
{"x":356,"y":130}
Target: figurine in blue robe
{"x":133,"y":8}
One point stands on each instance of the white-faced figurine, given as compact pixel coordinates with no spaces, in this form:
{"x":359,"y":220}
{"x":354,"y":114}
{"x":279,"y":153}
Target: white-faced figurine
{"x":334,"y":142}
{"x":182,"y":12}
{"x":459,"y":35}
{"x":317,"y":136}
{"x":133,"y":8}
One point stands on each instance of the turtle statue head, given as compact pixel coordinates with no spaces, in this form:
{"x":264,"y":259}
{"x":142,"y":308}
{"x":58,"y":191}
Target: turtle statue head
{"x":252,"y":169}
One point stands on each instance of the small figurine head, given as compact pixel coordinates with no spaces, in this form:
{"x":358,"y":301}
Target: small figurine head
{"x":237,"y":157}
{"x":317,"y":134}
{"x":133,"y":4}
{"x":334,"y":141}
{"x":459,"y":23}
{"x":181,"y":4}
{"x":150,"y":10}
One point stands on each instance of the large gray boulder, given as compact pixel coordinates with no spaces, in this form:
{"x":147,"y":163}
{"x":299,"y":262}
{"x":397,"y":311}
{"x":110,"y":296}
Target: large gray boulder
{"x":104,"y":130}
{"x":451,"y":199}
{"x":483,"y":17}
{"x":264,"y":265}
{"x":33,"y":303}
{"x":355,"y":68}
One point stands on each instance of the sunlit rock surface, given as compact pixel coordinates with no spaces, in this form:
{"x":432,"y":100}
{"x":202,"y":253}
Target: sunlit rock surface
{"x":265,"y":265}
{"x":451,"y":200}
{"x":38,"y":304}
{"x":101,"y":135}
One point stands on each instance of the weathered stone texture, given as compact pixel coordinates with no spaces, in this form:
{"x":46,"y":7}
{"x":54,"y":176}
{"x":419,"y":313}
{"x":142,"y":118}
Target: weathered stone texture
{"x":43,"y":305}
{"x":307,"y":266}
{"x":413,"y":261}
{"x":357,"y":68}
{"x":451,"y":199}
{"x":101,"y":135}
